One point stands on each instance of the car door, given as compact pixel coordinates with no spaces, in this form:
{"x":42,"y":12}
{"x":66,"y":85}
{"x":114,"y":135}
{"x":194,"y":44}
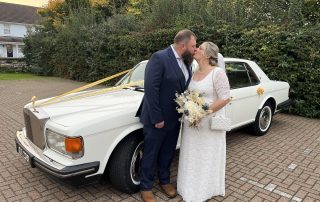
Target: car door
{"x":244,"y":103}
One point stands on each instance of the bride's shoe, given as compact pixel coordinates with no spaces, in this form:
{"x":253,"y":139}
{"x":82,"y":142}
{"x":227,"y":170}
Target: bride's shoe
{"x":169,"y":190}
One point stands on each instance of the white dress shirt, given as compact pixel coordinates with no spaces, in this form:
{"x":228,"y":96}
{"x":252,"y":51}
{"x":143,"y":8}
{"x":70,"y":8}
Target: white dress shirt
{"x":181,"y":64}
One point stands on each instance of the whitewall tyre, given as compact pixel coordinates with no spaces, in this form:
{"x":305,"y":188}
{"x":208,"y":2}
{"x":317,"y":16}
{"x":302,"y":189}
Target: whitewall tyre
{"x":263,"y":120}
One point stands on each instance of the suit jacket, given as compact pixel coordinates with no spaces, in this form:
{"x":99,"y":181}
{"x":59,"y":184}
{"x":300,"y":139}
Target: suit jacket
{"x":163,"y":78}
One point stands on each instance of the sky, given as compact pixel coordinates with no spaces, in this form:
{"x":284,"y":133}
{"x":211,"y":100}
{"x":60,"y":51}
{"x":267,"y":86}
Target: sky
{"x":37,"y":3}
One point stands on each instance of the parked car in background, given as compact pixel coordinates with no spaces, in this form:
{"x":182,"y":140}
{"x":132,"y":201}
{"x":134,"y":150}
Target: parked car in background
{"x":97,"y":137}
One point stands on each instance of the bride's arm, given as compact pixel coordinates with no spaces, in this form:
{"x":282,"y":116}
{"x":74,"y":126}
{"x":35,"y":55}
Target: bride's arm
{"x":218,"y":104}
{"x":222,"y":86}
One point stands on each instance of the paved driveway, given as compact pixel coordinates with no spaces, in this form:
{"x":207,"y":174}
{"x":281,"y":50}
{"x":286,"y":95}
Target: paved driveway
{"x":283,"y":165}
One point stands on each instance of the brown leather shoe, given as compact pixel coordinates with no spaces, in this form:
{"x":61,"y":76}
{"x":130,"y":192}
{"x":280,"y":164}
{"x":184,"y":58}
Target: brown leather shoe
{"x":169,"y":190}
{"x":147,"y":196}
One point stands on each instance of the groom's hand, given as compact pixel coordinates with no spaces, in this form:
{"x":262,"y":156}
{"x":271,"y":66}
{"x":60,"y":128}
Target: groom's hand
{"x":159,"y":125}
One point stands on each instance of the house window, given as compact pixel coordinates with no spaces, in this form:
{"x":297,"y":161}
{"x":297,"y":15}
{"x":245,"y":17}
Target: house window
{"x":6,"y":29}
{"x":9,"y":51}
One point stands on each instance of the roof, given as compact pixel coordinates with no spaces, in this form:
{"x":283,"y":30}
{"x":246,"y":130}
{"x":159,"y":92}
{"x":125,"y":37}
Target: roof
{"x":18,"y":13}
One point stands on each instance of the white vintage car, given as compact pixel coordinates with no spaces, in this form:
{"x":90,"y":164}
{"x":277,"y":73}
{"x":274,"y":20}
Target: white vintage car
{"x":98,"y":137}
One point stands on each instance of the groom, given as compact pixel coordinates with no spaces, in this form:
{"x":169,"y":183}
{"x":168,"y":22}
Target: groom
{"x":167,"y":72}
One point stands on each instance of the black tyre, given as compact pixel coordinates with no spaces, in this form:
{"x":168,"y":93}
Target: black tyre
{"x":263,"y":120}
{"x":125,"y":164}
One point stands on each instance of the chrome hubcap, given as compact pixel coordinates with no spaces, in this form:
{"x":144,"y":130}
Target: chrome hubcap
{"x":265,"y":118}
{"x":135,"y":163}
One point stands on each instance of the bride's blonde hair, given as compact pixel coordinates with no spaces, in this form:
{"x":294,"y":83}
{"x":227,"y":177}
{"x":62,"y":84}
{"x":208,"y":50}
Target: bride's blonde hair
{"x":211,"y":50}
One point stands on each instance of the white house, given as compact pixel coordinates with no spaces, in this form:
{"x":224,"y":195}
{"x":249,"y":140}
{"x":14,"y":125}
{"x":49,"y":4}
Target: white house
{"x":15,"y":21}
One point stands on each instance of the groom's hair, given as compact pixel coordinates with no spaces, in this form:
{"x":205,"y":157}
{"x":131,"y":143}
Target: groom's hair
{"x":184,"y":36}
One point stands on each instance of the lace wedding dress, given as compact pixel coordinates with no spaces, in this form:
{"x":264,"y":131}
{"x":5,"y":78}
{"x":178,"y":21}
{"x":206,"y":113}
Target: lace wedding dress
{"x":202,"y":160}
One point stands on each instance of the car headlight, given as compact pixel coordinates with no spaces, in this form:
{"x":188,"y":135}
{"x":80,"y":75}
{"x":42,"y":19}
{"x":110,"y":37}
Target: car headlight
{"x":69,"y":146}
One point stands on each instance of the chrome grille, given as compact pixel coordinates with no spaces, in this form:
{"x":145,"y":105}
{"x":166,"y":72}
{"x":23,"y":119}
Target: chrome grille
{"x":27,"y":124}
{"x":34,"y":128}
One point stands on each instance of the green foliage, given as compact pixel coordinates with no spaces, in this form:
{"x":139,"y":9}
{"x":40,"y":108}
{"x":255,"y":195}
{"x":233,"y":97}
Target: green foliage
{"x":121,"y":24}
{"x":284,"y":55}
{"x":78,"y":47}
{"x":38,"y":50}
{"x":163,"y":13}
{"x":311,"y":11}
{"x":87,"y":43}
{"x":295,"y":13}
{"x":138,"y":7}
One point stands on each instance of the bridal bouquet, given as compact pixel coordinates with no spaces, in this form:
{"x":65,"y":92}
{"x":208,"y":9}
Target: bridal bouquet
{"x":192,"y":105}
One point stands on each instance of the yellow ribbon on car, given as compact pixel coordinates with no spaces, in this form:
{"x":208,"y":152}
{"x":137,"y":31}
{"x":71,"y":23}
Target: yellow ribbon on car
{"x":62,"y":97}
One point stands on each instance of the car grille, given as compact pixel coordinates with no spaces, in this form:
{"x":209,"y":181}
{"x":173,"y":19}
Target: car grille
{"x":34,"y":128}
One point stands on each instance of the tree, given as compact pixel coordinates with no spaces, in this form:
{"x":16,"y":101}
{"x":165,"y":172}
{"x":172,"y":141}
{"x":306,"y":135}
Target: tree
{"x":53,"y":15}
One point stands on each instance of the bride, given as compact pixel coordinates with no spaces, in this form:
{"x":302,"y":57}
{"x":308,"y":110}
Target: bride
{"x":202,"y":161}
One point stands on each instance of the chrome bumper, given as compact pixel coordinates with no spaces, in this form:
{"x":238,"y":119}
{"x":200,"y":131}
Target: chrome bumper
{"x":70,"y":174}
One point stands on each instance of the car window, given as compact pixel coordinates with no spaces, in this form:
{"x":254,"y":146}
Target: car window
{"x":136,"y":74}
{"x":252,"y":76}
{"x":240,"y":75}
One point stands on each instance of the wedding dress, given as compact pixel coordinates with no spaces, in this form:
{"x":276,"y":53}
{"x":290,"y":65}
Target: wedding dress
{"x":202,"y":160}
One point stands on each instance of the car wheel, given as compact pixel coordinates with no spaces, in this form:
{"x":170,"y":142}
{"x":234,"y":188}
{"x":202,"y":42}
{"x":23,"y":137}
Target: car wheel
{"x":125,"y":164}
{"x":263,"y":120}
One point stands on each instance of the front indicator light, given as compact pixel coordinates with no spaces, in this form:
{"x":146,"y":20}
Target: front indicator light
{"x":73,"y":145}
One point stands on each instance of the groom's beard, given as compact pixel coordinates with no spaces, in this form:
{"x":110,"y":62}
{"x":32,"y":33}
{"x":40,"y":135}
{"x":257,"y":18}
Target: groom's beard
{"x":187,"y":57}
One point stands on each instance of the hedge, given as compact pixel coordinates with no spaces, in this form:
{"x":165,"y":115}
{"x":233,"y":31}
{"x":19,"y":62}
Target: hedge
{"x":284,"y":53}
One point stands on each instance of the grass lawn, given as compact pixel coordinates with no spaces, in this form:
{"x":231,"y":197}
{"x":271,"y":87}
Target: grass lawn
{"x":17,"y":76}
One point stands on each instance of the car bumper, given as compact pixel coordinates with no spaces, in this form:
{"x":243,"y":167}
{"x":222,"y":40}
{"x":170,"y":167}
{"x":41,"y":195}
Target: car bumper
{"x":284,"y":105}
{"x":74,"y":175}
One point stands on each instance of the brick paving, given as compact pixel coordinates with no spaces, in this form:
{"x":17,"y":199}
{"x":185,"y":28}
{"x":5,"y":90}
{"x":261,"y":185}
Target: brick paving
{"x":283,"y":165}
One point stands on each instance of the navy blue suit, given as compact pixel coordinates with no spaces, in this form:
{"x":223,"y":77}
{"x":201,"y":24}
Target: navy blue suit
{"x":163,"y":78}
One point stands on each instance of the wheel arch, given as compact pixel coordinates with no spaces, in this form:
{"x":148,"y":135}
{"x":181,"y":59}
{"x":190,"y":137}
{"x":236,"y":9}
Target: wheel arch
{"x":133,"y":130}
{"x":272,"y":101}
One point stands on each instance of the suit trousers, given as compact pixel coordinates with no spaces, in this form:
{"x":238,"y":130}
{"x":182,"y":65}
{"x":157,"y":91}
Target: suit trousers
{"x":159,"y":151}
